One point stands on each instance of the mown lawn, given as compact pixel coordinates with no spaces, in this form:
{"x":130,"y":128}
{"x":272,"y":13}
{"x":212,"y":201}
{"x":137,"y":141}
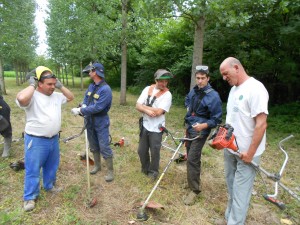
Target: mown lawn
{"x":118,"y":201}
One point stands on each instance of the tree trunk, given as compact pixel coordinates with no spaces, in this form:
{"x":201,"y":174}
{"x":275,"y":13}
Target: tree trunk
{"x":17,"y":74}
{"x":66,"y":72}
{"x":2,"y":82}
{"x":124,"y":54}
{"x":73,"y":82}
{"x":81,"y":76}
{"x":198,"y":47}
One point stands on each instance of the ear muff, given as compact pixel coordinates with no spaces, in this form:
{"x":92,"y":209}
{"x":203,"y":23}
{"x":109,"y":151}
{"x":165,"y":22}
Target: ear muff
{"x":39,"y":70}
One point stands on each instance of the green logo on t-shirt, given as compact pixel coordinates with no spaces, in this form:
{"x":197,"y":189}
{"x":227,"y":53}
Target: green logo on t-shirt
{"x":241,"y":97}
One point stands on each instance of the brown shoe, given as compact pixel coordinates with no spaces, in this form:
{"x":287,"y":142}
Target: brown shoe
{"x":191,"y":198}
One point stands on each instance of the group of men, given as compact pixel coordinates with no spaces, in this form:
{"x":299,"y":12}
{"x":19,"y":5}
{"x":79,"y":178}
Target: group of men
{"x":42,"y":105}
{"x":247,"y":111}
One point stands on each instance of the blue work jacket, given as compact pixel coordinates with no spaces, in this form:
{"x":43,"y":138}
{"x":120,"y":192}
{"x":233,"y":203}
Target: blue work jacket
{"x":99,"y":103}
{"x":206,"y":110}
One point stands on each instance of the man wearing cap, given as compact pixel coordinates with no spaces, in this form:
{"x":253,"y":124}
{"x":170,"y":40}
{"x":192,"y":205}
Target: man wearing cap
{"x":204,"y":113}
{"x":42,"y":106}
{"x":153,"y":103}
{"x":5,"y":126}
{"x":95,"y":106}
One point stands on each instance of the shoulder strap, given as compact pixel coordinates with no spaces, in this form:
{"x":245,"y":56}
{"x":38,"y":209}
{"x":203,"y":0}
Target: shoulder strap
{"x":194,"y":109}
{"x":157,"y":95}
{"x":94,"y":91}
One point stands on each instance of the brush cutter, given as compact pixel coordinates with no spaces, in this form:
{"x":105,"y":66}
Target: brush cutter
{"x":182,"y":156}
{"x":223,"y":137}
{"x":82,"y":157}
{"x":141,"y":214}
{"x":91,"y":202}
{"x":276,"y":178}
{"x":67,"y":139}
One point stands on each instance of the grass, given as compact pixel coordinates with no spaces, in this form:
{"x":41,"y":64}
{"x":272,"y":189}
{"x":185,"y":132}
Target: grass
{"x":118,"y":201}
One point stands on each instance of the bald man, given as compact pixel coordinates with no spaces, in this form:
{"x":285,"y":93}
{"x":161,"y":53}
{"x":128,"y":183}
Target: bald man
{"x":247,"y":110}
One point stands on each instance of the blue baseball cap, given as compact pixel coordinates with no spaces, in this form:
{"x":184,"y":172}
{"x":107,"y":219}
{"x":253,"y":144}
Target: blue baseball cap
{"x":98,"y":67}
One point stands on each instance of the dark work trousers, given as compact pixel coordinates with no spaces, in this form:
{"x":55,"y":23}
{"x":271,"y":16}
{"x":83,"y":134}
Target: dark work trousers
{"x":5,"y":112}
{"x":194,"y":151}
{"x":150,"y":141}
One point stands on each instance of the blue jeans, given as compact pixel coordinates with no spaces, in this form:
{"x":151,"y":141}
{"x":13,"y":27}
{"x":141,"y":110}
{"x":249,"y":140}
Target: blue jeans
{"x":40,"y":153}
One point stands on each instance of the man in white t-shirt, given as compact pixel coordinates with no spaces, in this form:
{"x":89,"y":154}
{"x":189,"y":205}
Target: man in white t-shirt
{"x":247,"y":110}
{"x":41,"y":141}
{"x":154,"y":102}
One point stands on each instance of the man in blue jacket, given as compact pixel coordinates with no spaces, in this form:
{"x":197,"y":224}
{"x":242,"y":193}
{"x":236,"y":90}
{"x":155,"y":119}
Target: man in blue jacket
{"x":96,"y":104}
{"x":204,"y":113}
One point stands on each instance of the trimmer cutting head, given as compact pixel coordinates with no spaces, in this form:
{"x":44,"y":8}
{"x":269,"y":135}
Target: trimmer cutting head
{"x":142,"y":216}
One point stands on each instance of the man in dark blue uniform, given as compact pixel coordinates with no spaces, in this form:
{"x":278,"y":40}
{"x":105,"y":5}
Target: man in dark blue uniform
{"x":204,"y":113}
{"x":5,"y":126}
{"x":96,"y":104}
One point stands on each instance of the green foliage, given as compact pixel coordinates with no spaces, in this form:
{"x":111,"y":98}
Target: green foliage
{"x":9,"y":74}
{"x":285,"y":118}
{"x":18,"y":35}
{"x":263,"y":34}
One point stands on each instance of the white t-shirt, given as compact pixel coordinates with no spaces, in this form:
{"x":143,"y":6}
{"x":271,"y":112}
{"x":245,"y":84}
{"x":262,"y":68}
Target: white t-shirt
{"x":163,"y":102}
{"x":245,"y":102}
{"x":43,"y":114}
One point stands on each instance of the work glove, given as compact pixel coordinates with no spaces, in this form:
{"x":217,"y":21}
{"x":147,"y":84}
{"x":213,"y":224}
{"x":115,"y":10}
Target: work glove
{"x":81,"y":105}
{"x":32,"y":81}
{"x":58,"y":84}
{"x":76,"y":111}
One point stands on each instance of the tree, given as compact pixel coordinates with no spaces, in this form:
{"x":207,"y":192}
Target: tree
{"x":124,"y":52}
{"x":18,"y":39}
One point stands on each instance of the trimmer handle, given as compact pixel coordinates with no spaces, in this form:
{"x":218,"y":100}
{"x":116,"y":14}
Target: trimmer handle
{"x":276,"y":202}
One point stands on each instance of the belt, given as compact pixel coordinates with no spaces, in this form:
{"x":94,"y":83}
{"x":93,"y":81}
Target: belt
{"x":31,"y":135}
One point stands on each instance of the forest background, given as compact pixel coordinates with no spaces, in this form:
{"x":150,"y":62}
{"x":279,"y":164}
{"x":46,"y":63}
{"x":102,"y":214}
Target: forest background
{"x":133,"y":38}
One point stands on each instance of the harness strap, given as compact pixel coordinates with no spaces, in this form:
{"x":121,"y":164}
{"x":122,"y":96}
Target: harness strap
{"x":94,"y":91}
{"x":193,"y":110}
{"x":157,"y":95}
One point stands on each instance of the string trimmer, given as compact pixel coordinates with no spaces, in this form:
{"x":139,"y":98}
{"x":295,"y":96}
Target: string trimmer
{"x":181,"y":156}
{"x":91,"y":202}
{"x":141,"y":214}
{"x":223,"y":137}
